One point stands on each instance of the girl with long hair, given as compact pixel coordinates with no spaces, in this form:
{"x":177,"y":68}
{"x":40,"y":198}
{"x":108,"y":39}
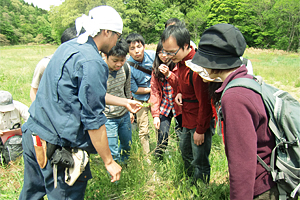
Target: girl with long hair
{"x":163,"y":92}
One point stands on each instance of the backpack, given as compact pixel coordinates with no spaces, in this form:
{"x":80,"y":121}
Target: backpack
{"x":11,"y":149}
{"x":284,"y":122}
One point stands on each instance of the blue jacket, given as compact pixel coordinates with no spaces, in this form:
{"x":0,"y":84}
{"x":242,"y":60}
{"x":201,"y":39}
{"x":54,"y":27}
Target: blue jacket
{"x":71,"y":96}
{"x":139,"y":78}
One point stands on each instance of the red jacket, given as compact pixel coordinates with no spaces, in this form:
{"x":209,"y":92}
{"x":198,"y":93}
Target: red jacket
{"x":157,"y":93}
{"x":201,"y":110}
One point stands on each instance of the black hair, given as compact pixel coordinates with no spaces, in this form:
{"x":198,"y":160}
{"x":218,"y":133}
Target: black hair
{"x":212,"y":87}
{"x":68,"y":34}
{"x":157,"y":62}
{"x":120,"y":49}
{"x":135,"y":37}
{"x":174,"y":21}
{"x":180,"y":33}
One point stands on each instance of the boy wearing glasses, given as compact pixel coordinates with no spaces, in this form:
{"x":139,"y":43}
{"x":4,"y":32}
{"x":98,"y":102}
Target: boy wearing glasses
{"x":141,"y":62}
{"x":195,"y":138}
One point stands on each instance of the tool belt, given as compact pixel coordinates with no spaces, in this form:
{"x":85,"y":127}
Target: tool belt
{"x":72,"y":159}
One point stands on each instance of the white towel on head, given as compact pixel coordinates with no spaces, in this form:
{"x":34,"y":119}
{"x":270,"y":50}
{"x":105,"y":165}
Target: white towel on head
{"x":101,"y":17}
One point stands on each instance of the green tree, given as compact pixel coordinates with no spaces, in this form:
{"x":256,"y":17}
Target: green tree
{"x":286,"y":24}
{"x":196,"y":20}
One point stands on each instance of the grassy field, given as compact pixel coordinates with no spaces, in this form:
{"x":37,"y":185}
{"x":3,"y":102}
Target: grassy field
{"x":141,"y":179}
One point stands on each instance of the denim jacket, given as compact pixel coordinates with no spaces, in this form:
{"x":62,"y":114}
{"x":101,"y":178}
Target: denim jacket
{"x":139,"y":78}
{"x":71,"y":96}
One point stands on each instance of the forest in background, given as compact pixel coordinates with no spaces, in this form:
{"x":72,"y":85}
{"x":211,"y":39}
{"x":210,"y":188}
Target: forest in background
{"x":266,"y":24}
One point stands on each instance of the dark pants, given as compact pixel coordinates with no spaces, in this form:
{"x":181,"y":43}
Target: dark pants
{"x":163,"y":135}
{"x":39,"y":182}
{"x":195,"y":157}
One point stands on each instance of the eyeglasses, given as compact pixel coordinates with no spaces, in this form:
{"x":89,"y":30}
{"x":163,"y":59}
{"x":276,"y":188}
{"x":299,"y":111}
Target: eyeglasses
{"x":118,"y":34}
{"x":170,"y":54}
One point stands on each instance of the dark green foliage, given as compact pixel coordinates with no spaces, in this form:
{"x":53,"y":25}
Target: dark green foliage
{"x":21,"y":22}
{"x":265,"y":24}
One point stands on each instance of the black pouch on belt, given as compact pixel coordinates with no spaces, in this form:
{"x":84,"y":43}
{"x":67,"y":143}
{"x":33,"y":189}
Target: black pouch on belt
{"x":62,"y":157}
{"x":51,"y":149}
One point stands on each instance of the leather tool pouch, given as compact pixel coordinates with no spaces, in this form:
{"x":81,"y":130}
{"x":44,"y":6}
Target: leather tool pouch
{"x":40,"y":147}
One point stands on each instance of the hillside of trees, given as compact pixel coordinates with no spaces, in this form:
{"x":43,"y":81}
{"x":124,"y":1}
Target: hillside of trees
{"x":267,"y":24}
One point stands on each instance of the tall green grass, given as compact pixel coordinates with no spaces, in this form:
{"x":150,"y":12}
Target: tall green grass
{"x":140,"y":179}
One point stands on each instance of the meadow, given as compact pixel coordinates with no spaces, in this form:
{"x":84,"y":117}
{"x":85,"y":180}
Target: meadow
{"x":141,"y":179}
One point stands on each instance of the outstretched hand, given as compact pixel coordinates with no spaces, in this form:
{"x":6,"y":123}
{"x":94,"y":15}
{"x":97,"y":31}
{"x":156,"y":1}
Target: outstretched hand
{"x":133,"y":106}
{"x":114,"y":169}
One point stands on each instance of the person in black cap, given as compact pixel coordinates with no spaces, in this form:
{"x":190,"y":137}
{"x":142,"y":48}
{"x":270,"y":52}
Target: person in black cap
{"x":246,"y":131}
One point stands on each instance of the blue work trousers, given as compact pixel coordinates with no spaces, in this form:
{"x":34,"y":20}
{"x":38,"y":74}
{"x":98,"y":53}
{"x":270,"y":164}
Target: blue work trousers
{"x":39,"y":182}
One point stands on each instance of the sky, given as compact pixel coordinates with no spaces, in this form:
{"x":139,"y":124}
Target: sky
{"x":45,"y":4}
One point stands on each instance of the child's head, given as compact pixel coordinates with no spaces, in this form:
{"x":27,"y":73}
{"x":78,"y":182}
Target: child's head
{"x":116,"y":57}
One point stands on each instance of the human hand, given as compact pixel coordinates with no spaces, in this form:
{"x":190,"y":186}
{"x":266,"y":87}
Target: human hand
{"x":156,"y":122}
{"x":131,"y":118}
{"x":164,"y":69}
{"x":178,"y":99}
{"x":114,"y":169}
{"x":133,"y":106}
{"x":198,"y":138}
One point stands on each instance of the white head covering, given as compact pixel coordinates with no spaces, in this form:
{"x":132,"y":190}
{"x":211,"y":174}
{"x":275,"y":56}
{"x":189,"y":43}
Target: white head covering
{"x":101,"y":17}
{"x":6,"y":101}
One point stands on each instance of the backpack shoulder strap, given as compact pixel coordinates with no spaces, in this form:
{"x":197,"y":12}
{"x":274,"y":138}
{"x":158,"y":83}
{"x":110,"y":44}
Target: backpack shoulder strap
{"x":191,"y":77}
{"x":244,"y":82}
{"x":126,"y":69}
{"x":136,"y":66}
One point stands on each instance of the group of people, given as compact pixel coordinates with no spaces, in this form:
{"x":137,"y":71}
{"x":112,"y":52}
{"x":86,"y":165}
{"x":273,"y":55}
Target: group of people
{"x":86,"y":100}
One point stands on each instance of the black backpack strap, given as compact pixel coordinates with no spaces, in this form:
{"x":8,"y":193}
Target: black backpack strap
{"x":136,"y":66}
{"x":191,"y":82}
{"x":191,"y":77}
{"x":126,"y":69}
